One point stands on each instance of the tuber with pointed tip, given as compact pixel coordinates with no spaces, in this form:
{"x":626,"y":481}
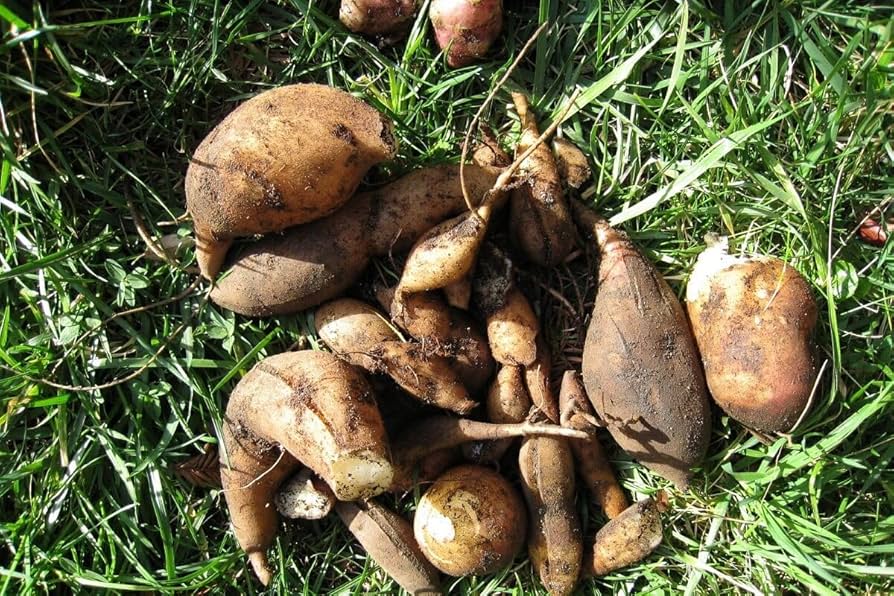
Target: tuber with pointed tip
{"x":470,"y":521}
{"x":573,"y":166}
{"x":466,"y":29}
{"x":285,"y":157}
{"x":539,"y":217}
{"x":363,"y":336}
{"x":641,"y":368}
{"x":753,"y":321}
{"x":307,"y":407}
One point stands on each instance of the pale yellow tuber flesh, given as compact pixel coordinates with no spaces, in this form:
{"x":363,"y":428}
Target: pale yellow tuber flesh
{"x":470,"y":521}
{"x":304,"y":496}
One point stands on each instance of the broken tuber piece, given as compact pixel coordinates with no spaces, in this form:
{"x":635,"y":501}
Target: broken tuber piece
{"x":388,"y":538}
{"x":470,"y":521}
{"x":640,"y":364}
{"x":592,"y":465}
{"x":304,"y":496}
{"x":627,"y":539}
{"x":574,"y":169}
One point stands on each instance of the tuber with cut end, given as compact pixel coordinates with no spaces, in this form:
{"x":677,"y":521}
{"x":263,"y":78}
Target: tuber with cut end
{"x":305,"y":406}
{"x":285,"y":157}
{"x":466,"y":29}
{"x":388,"y":538}
{"x":627,"y":539}
{"x":470,"y":521}
{"x":640,"y":365}
{"x":753,"y":321}
{"x":539,"y":217}
{"x":311,"y":263}
{"x":304,"y":496}
{"x":555,"y":543}
{"x":592,"y":465}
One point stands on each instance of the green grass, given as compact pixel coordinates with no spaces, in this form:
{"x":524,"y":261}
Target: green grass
{"x":772,"y":122}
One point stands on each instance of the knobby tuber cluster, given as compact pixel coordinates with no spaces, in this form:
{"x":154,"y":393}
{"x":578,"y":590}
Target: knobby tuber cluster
{"x":450,"y":375}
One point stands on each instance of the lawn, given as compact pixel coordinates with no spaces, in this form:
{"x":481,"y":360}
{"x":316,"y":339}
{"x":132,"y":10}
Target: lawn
{"x":772,"y":122}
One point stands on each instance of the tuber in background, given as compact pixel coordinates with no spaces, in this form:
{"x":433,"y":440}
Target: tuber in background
{"x":771,"y":124}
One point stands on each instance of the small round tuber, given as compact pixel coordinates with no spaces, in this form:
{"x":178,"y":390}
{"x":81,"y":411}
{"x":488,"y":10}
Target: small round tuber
{"x":471,"y":521}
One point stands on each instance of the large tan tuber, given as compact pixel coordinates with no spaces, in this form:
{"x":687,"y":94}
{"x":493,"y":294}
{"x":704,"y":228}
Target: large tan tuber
{"x":753,"y":321}
{"x":285,"y":157}
{"x":311,"y":263}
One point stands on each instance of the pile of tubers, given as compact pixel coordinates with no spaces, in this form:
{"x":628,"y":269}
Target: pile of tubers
{"x":444,"y":377}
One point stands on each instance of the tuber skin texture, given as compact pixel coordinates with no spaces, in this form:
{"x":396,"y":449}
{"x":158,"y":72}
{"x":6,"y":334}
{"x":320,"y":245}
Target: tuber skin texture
{"x":627,"y":539}
{"x":459,"y":293}
{"x":304,"y":496}
{"x":537,"y":380}
{"x":470,"y":521}
{"x":640,"y":365}
{"x":321,"y":412}
{"x":311,"y":263}
{"x":753,"y":321}
{"x":361,"y":335}
{"x":574,"y":169}
{"x":555,"y":543}
{"x":285,"y":157}
{"x":507,"y":403}
{"x":539,"y":216}
{"x":512,"y":326}
{"x":388,"y":538}
{"x":592,"y":466}
{"x":445,"y":331}
{"x":377,"y":17}
{"x":466,"y":29}
{"x":423,"y":375}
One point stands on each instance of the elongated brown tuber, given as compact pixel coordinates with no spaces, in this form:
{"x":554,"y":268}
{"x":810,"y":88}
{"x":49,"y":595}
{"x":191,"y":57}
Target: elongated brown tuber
{"x":539,"y":217}
{"x":592,"y":465}
{"x":640,"y":364}
{"x":555,"y":543}
{"x":388,"y":538}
